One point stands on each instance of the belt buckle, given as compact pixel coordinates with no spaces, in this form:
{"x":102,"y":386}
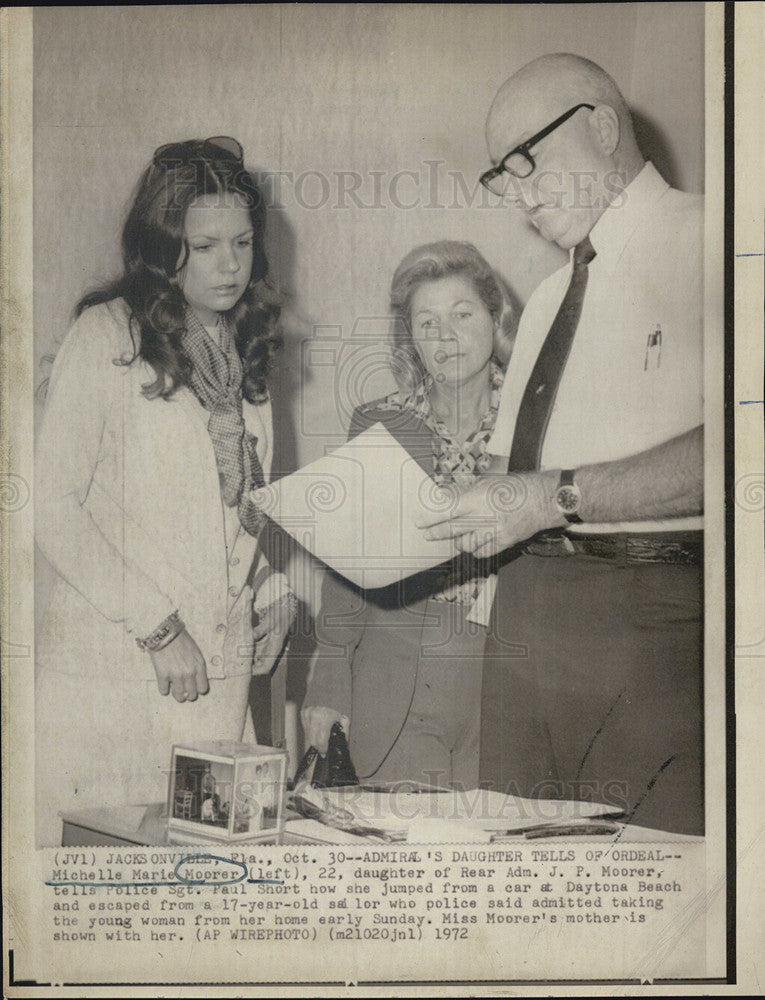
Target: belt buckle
{"x":550,"y":544}
{"x":568,"y":545}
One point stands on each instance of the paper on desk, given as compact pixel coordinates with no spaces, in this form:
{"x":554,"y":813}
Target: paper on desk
{"x":355,"y":510}
{"x":432,"y":830}
{"x":478,"y":808}
{"x":315,"y":832}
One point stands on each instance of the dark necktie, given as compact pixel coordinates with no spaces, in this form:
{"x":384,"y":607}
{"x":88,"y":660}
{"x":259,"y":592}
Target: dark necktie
{"x":542,"y":387}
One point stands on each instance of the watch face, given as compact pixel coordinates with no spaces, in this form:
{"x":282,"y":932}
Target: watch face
{"x":567,"y":499}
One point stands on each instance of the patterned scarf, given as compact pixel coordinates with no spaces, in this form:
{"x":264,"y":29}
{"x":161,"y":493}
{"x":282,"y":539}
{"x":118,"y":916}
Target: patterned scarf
{"x":216,"y":381}
{"x":455,"y":461}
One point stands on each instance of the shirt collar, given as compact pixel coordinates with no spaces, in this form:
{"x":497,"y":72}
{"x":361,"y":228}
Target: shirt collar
{"x":419,"y":401}
{"x":611,"y":233}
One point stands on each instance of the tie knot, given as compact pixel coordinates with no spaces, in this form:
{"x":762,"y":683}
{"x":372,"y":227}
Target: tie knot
{"x":583,"y":252}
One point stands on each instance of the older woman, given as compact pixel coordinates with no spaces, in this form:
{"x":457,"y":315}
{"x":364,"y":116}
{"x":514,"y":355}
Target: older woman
{"x":157,"y":427}
{"x":401,"y":666}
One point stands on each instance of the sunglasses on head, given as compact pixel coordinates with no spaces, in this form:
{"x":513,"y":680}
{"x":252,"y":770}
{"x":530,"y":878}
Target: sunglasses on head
{"x":219,"y":147}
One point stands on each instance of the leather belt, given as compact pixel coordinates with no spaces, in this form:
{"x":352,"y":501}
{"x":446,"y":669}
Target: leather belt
{"x":678,"y":548}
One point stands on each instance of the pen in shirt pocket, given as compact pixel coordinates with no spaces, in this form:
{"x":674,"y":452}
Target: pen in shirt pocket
{"x":653,"y":342}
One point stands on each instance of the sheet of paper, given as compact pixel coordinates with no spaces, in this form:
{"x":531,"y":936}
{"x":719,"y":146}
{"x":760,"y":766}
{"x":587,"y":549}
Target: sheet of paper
{"x":478,"y":808}
{"x":355,"y":510}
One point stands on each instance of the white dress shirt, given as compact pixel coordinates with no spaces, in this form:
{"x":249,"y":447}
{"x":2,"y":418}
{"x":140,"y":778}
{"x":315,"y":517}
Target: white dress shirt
{"x":623,"y":389}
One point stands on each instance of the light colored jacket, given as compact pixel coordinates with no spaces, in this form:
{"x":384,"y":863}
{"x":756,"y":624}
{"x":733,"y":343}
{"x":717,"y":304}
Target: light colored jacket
{"x":128,"y":511}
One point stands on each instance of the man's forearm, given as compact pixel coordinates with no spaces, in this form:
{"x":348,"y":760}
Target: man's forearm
{"x":665,"y":481}
{"x":501,"y":510}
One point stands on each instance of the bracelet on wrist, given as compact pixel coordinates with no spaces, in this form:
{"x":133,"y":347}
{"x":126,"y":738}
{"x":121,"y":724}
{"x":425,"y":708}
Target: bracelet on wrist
{"x":163,"y":635}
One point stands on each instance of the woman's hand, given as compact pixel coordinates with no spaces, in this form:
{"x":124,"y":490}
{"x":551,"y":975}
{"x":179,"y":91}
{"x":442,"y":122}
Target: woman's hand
{"x":270,"y":632}
{"x":180,"y":668}
{"x":318,"y":721}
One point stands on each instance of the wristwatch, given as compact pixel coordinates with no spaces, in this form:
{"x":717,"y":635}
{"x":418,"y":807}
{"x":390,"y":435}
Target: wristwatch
{"x":568,"y":498}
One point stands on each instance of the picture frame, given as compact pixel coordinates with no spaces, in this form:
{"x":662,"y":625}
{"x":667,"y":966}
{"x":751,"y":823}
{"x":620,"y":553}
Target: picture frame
{"x":225,"y":791}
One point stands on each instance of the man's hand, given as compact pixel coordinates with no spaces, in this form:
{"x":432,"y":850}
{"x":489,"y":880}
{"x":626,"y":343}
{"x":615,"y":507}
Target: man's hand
{"x":666,"y":481}
{"x":499,"y":511}
{"x":270,"y":633}
{"x":180,"y":669}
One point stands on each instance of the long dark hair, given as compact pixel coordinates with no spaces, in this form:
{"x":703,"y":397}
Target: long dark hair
{"x":154,"y":251}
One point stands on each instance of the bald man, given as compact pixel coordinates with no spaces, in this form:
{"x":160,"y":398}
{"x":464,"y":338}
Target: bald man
{"x":592,"y":676}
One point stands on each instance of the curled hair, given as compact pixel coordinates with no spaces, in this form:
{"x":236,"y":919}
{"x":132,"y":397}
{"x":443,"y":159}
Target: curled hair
{"x":431,"y":262}
{"x":154,"y":252}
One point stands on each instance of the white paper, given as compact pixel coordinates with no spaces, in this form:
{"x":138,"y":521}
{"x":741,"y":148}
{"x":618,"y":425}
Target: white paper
{"x":355,"y":510}
{"x":478,"y":809}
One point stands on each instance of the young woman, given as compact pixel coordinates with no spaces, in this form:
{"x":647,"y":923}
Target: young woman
{"x":157,"y":427}
{"x":401,"y":666}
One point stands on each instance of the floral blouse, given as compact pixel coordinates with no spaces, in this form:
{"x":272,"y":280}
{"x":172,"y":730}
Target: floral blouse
{"x":457,"y":462}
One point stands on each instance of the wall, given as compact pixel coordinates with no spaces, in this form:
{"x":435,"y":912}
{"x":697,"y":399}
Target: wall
{"x":389,"y":98}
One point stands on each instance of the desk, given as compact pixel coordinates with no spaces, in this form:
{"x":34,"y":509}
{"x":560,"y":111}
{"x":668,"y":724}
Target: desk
{"x":127,"y":826}
{"x":146,"y":826}
{"x":117,"y":826}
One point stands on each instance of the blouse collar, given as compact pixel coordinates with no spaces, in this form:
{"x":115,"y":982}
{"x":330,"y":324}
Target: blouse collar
{"x":419,"y":402}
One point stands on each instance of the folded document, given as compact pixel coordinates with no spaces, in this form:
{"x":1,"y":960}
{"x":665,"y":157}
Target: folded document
{"x":355,"y":510}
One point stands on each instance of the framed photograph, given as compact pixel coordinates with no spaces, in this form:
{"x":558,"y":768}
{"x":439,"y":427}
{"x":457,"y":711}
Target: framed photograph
{"x":226,"y":792}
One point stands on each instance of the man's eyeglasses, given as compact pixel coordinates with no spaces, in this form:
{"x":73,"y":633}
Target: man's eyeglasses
{"x":219,"y":147}
{"x":519,"y":162}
